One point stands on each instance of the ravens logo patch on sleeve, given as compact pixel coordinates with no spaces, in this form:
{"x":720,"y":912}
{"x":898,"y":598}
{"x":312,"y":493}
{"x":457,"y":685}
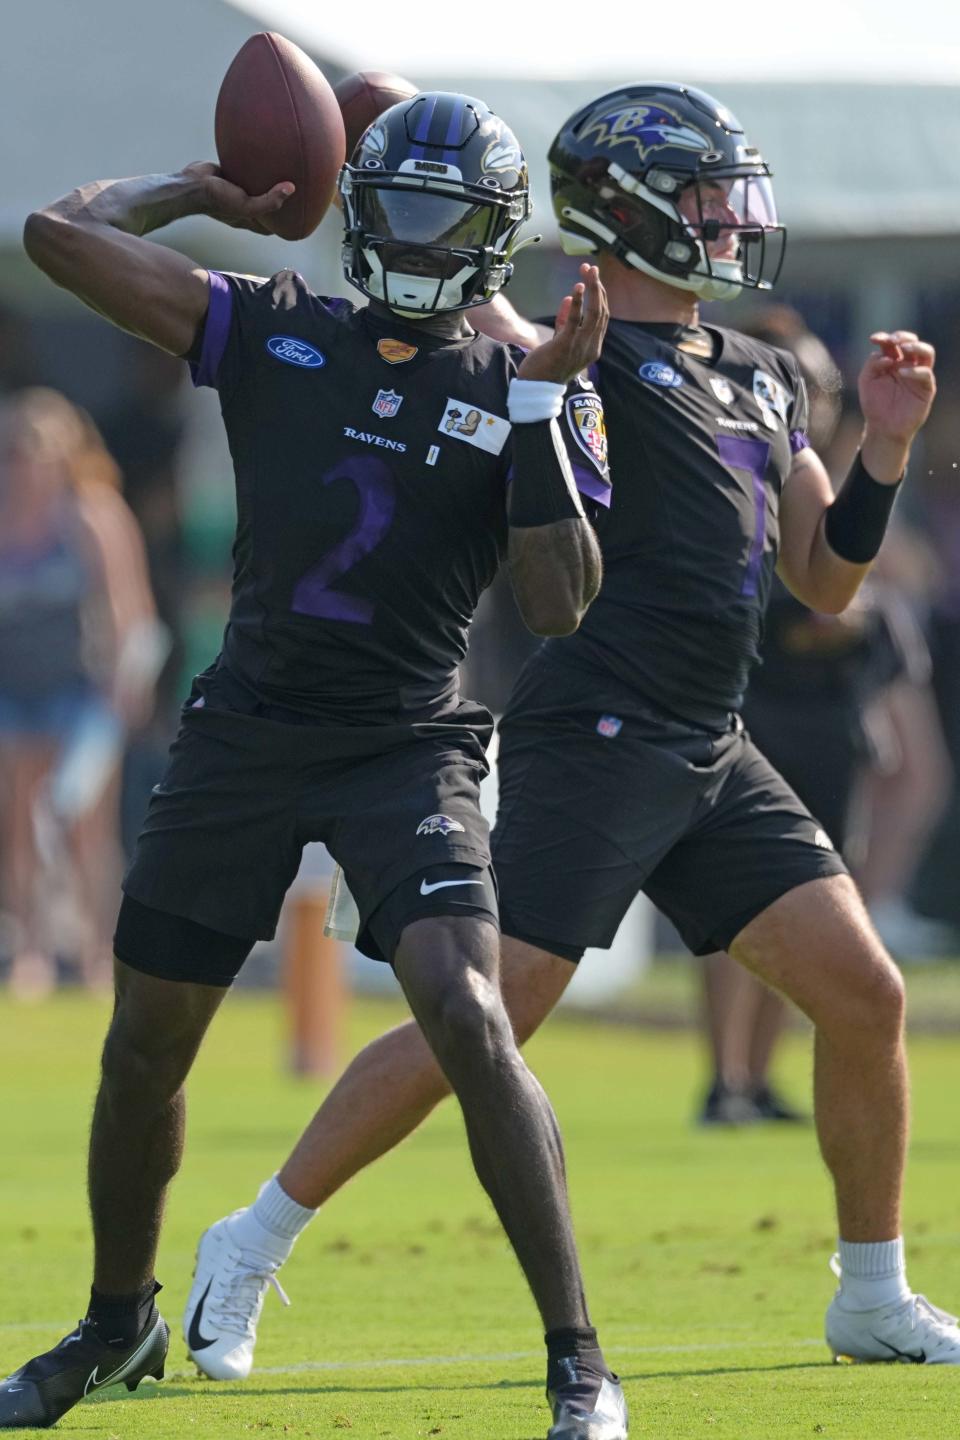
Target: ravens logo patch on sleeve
{"x":585,"y":414}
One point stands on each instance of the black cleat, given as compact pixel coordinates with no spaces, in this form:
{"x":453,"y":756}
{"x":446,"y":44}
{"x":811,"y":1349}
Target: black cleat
{"x":586,"y":1404}
{"x":48,"y":1385}
{"x":772,"y":1106}
{"x":723,"y":1106}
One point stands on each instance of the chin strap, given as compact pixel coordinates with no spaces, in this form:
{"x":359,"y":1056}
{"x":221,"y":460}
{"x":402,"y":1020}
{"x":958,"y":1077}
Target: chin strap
{"x":705,"y":286}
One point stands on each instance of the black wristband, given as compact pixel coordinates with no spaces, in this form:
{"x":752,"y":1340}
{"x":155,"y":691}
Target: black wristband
{"x":543,"y":489}
{"x":857,"y":520}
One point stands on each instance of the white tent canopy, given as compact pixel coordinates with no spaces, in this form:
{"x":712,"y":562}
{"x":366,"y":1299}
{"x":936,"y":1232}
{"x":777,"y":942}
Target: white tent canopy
{"x":863,"y":40}
{"x":113,"y":88}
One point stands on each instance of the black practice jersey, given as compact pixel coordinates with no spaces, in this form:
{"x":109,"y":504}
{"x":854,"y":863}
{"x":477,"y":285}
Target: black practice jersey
{"x":371,"y":462}
{"x":700,"y":447}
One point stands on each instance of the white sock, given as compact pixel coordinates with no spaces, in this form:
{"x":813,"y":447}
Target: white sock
{"x":873,"y":1274}
{"x":272,"y":1223}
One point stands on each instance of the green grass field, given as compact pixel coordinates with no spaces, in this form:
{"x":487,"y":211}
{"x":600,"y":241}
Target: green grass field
{"x":705,"y":1253}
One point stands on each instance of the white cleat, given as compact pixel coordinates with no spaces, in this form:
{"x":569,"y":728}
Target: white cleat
{"x":911,"y":1331}
{"x":229,"y":1285}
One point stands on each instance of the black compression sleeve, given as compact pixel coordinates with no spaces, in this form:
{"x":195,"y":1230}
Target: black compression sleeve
{"x":857,"y":520}
{"x":543,"y":489}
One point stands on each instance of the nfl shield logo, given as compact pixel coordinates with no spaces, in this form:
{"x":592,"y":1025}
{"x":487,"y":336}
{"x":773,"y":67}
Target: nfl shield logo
{"x":722,"y":389}
{"x":387,"y":403}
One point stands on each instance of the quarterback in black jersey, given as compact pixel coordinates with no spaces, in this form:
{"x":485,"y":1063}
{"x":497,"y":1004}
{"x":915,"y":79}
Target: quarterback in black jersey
{"x":386,"y":460}
{"x":624,"y":764}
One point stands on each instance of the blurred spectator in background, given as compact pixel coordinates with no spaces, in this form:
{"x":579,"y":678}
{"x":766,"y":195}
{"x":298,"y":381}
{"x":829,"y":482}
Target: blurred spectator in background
{"x":827,"y":685}
{"x":80,"y":648}
{"x":18,"y":366}
{"x":907,"y":787}
{"x":144,"y":432}
{"x":936,"y":890}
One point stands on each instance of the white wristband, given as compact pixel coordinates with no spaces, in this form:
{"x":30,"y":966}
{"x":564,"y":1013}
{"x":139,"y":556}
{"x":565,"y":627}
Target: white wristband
{"x":531,"y":400}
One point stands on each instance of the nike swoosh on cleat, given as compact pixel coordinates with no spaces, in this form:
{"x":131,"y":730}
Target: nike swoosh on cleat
{"x":426,"y":889}
{"x":95,"y":1383}
{"x":195,"y":1337}
{"x":920,"y":1359}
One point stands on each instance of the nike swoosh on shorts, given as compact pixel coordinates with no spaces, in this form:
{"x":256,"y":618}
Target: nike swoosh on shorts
{"x":426,"y":889}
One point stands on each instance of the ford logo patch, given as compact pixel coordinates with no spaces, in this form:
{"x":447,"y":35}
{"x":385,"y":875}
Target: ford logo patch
{"x":295,"y":352}
{"x":659,"y":374}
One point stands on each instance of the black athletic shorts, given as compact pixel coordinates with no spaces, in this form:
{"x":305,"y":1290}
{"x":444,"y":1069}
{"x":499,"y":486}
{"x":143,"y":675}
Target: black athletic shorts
{"x":244,"y":792}
{"x":601,"y":798}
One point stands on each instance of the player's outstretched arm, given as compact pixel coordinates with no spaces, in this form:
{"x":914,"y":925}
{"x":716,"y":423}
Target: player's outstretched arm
{"x":91,"y":242}
{"x":502,"y":321}
{"x":828,"y":544}
{"x":553,"y":554}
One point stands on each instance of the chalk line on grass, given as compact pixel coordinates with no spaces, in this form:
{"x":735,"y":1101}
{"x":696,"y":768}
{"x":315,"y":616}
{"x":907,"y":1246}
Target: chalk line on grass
{"x":413,"y":1362}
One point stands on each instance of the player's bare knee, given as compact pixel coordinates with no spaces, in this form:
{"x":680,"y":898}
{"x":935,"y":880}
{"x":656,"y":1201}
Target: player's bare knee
{"x":471,"y":1023}
{"x":871,"y":1002}
{"x":448,"y":967}
{"x":472,"y":1012}
{"x":134,"y":1074}
{"x":147,"y":1063}
{"x":886,"y":998}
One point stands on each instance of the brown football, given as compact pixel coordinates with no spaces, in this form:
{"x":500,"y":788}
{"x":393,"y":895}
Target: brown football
{"x":365,"y":95}
{"x":278,"y":119}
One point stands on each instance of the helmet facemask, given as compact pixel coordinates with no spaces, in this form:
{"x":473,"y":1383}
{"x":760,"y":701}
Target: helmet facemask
{"x":731,"y":221}
{"x":673,"y":228}
{"x":421,"y":246}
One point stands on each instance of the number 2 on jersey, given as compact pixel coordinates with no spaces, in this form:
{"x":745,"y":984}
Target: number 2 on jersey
{"x":744,"y":452}
{"x":314,"y":594}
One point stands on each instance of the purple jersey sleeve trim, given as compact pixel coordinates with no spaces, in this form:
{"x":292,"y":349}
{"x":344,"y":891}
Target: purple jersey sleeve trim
{"x":798,"y":441}
{"x":336,"y":305}
{"x":593,"y":485}
{"x":216,"y":332}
